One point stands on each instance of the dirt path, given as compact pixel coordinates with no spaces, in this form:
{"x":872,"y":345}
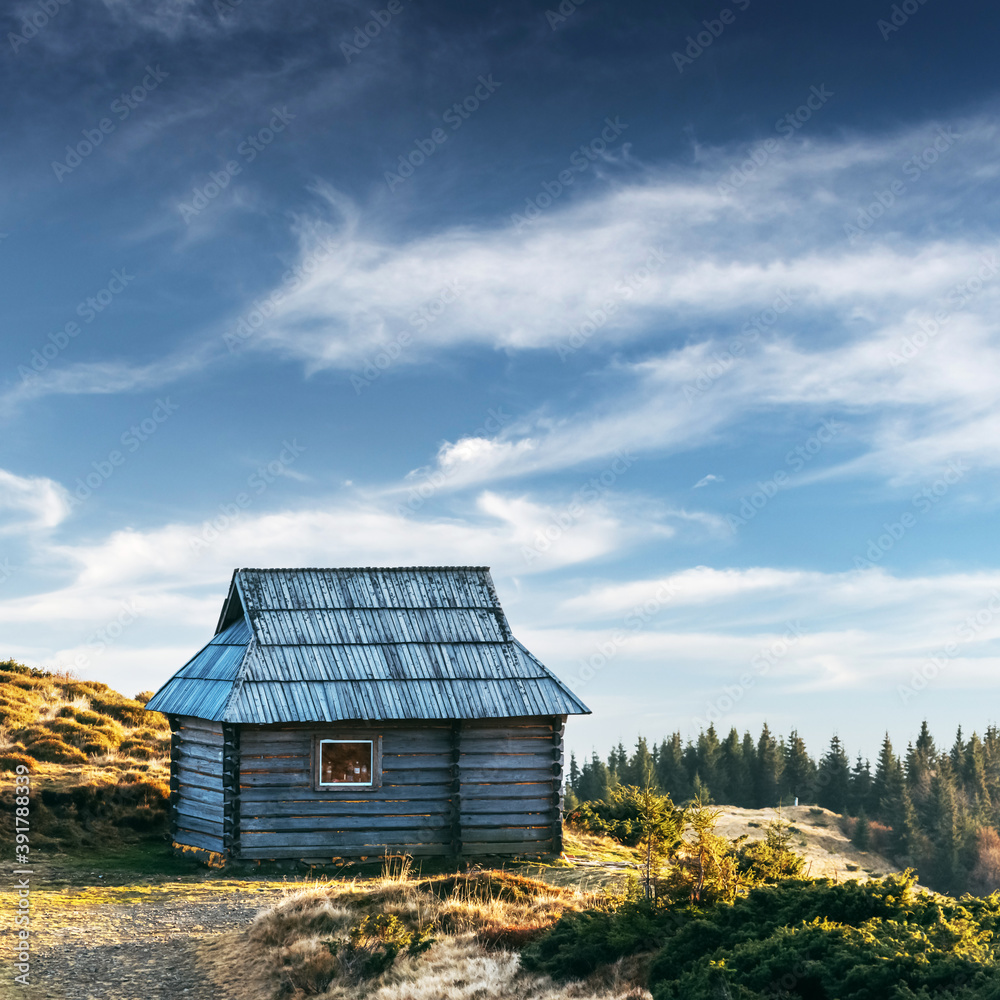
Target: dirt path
{"x":132,"y":942}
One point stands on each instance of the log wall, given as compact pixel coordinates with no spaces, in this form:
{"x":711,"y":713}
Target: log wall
{"x":198,"y":794}
{"x":463,"y":787}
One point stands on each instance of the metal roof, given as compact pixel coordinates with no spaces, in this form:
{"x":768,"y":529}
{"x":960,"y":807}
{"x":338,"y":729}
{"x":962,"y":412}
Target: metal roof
{"x":324,"y":645}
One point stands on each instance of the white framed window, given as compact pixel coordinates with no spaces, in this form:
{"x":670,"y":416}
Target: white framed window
{"x":348,"y":762}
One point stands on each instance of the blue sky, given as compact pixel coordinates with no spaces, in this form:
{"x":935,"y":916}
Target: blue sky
{"x":682,"y":320}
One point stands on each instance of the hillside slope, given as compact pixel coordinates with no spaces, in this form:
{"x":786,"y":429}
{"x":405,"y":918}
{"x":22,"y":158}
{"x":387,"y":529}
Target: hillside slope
{"x":99,"y":762}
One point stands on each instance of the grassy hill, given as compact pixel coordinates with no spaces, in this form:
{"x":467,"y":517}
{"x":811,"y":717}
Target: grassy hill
{"x":99,"y":761}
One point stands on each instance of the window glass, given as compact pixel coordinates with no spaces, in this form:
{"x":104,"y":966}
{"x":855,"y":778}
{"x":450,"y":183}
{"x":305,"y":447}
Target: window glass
{"x":344,"y":762}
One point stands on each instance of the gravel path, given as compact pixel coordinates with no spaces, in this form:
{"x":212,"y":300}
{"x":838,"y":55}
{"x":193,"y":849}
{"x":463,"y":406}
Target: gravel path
{"x":133,"y":942}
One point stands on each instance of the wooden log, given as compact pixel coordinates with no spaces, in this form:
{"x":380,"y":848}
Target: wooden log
{"x":192,"y":838}
{"x":532,"y":848}
{"x":352,"y":799}
{"x":498,"y":805}
{"x":201,"y":824}
{"x":327,"y":823}
{"x":191,"y":793}
{"x":504,"y":775}
{"x":371,"y":852}
{"x":373,"y":841}
{"x":190,"y":724}
{"x":201,"y":810}
{"x":498,"y":835}
{"x":195,"y":751}
{"x":528,"y":789}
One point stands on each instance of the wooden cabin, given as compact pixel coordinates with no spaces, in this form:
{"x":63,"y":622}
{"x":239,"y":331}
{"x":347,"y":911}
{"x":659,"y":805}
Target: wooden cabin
{"x":349,"y":712}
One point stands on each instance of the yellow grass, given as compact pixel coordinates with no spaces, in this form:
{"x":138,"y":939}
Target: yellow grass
{"x":478,"y":920}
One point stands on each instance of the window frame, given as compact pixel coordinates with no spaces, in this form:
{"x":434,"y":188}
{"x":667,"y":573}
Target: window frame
{"x":375,"y":739}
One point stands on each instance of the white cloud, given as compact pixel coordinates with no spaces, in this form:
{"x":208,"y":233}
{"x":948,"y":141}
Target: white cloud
{"x":710,"y":478}
{"x":31,"y":502}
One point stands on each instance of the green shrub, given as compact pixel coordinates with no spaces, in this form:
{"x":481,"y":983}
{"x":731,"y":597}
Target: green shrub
{"x":819,"y":939}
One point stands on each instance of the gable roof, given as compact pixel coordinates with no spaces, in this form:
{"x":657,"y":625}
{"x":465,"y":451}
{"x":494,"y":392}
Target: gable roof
{"x":325,"y":645}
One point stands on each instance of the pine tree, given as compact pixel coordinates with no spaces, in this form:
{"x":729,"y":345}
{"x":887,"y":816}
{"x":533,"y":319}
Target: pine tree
{"x":862,"y":837}
{"x":958,"y":752}
{"x":974,"y":774}
{"x":595,"y":781}
{"x":860,"y":799}
{"x":670,"y":770}
{"x":944,"y":830}
{"x":574,"y":772}
{"x":888,"y":779}
{"x":735,"y":776}
{"x":618,"y":763}
{"x":700,"y":792}
{"x":799,"y":774}
{"x":767,"y":780}
{"x":710,"y":760}
{"x":641,"y":771}
{"x":746,"y":795}
{"x":833,"y":782}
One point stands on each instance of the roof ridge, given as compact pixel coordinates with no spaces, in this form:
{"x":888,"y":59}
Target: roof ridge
{"x":350,"y":569}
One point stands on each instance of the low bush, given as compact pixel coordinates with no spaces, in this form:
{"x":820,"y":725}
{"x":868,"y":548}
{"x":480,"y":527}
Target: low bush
{"x":11,"y":760}
{"x":55,"y":751}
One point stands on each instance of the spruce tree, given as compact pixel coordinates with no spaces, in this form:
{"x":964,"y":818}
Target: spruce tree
{"x":887,"y":782}
{"x":733,"y":770}
{"x":833,"y":782}
{"x":641,"y":771}
{"x":670,"y":769}
{"x":767,"y":780}
{"x":974,"y":774}
{"x":861,"y":788}
{"x":595,"y":781}
{"x":746,"y":794}
{"x":799,"y":773}
{"x":945,"y":830}
{"x":710,"y":761}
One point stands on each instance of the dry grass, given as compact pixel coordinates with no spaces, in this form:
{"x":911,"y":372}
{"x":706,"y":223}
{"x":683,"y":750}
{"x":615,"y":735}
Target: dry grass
{"x":99,"y":760}
{"x":310,"y":945}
